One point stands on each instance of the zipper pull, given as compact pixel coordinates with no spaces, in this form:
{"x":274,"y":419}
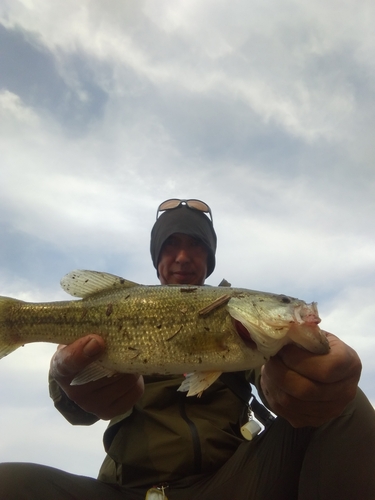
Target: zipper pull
{"x":156,"y":493}
{"x":251,"y":428}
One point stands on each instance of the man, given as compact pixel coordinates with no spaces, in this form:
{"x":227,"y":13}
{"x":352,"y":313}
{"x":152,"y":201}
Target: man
{"x":321,"y":446}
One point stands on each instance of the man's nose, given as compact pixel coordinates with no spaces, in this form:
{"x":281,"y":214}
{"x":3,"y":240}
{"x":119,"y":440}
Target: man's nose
{"x":182,"y":255}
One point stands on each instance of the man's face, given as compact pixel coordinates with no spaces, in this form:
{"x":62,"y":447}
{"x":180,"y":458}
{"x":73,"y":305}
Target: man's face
{"x":183,"y":261}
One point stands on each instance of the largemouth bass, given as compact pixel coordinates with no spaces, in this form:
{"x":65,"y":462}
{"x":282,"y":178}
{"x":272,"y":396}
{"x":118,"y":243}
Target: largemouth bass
{"x":165,"y":329}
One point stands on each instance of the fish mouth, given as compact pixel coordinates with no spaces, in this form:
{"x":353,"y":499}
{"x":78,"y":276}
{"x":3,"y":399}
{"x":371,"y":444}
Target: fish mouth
{"x":245,"y":335}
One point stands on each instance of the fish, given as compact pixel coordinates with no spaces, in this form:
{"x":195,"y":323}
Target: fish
{"x":201,"y":331}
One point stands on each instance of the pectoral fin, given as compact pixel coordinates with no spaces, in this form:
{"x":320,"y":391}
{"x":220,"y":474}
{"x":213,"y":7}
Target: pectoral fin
{"x":197,"y":382}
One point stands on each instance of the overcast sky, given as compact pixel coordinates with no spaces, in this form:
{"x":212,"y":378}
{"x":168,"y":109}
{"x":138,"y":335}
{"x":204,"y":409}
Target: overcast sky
{"x":263,"y":109}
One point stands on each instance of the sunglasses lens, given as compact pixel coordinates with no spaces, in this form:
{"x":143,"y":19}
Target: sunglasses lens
{"x":198,"y":205}
{"x":169,"y":204}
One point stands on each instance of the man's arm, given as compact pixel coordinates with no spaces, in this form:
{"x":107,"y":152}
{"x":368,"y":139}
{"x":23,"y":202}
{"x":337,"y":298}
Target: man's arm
{"x":308,"y":389}
{"x":103,"y":399}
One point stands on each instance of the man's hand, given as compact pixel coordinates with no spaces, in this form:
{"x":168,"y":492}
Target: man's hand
{"x":308,"y":389}
{"x":106,"y":398}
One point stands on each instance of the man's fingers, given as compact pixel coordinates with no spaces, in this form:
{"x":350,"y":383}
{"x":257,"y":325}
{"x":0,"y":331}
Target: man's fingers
{"x":116,"y":398}
{"x":311,"y":389}
{"x":340,"y":363}
{"x":70,"y":360}
{"x":106,"y":397}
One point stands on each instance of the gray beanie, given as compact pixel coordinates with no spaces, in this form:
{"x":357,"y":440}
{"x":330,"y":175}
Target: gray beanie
{"x":188,"y":221}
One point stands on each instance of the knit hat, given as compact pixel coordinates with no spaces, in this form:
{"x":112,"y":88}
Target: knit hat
{"x":185,"y":220}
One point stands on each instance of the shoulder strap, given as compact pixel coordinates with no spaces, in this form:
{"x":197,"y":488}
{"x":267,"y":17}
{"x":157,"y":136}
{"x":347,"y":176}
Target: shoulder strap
{"x":242,"y":389}
{"x":237,"y":384}
{"x":262,"y":414}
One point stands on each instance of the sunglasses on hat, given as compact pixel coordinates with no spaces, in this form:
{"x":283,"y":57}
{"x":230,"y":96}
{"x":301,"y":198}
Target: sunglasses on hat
{"x":175,"y":203}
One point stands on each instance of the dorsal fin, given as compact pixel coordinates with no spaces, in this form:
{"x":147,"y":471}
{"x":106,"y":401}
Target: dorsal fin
{"x":224,"y":282}
{"x":81,"y":283}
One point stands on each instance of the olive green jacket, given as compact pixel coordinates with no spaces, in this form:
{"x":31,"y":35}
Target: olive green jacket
{"x":168,"y":435}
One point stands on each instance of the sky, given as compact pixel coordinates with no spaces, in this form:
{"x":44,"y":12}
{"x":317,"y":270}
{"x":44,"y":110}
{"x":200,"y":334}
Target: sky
{"x":263,"y":109}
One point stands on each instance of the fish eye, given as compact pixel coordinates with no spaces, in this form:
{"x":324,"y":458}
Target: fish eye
{"x":285,"y":300}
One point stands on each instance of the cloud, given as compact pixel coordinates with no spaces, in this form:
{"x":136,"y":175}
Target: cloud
{"x":280,"y":67}
{"x":31,"y":72}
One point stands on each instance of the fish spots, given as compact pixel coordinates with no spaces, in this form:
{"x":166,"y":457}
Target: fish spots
{"x":188,"y":289}
{"x":109,"y":310}
{"x":125,"y":334}
{"x":15,"y":338}
{"x":84,"y":314}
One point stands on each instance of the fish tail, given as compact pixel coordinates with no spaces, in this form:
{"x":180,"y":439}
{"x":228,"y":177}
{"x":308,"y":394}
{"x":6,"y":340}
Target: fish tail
{"x":8,"y":341}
